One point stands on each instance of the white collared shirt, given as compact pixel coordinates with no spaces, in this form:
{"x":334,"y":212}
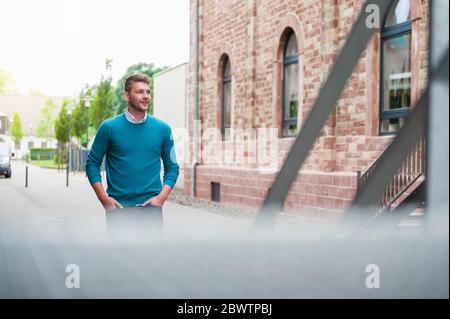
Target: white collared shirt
{"x":133,"y":120}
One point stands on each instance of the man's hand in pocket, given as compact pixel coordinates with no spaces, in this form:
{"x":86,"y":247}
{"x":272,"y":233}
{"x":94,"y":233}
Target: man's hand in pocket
{"x":157,"y":201}
{"x":110,"y":203}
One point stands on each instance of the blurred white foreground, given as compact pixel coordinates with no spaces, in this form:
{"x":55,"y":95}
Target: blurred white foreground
{"x":218,"y":258}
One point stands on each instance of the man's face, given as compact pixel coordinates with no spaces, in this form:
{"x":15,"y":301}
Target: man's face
{"x":139,"y":96}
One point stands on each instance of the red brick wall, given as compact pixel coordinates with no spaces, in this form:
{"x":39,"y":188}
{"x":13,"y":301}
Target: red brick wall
{"x":321,"y":196}
{"x":252,"y":34}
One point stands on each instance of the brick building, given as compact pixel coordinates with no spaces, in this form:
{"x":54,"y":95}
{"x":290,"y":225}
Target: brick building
{"x":261,"y":64}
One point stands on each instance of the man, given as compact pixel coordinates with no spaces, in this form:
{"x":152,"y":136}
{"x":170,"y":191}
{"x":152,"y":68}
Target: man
{"x":134,"y":144}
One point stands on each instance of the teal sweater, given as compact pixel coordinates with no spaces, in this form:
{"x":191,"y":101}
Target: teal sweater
{"x":133,"y":158}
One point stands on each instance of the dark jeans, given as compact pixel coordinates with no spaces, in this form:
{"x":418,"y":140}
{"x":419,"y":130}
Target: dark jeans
{"x":135,"y":223}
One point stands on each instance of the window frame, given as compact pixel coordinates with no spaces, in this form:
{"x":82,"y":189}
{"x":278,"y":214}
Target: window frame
{"x":225,"y":80}
{"x":389,"y":33}
{"x":287,"y":60}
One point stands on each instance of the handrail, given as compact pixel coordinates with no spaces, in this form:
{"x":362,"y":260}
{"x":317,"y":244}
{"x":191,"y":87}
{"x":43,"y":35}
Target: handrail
{"x":412,"y":168}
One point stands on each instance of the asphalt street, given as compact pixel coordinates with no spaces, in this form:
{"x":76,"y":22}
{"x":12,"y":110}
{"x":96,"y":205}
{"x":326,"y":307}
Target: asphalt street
{"x":68,"y":211}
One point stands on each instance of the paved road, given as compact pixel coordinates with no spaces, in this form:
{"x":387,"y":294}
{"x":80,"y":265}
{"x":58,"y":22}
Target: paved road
{"x":66,"y":211}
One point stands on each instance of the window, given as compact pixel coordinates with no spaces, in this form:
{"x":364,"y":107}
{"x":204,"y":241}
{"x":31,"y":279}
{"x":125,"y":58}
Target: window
{"x":395,"y":97}
{"x":226,"y":100}
{"x":290,"y":87}
{"x":215,"y":192}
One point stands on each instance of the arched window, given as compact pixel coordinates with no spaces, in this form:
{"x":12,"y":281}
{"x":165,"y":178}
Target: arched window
{"x":226,"y":100}
{"x":290,"y":87}
{"x":395,"y":87}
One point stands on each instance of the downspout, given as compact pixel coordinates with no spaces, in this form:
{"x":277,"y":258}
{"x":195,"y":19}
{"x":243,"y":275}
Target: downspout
{"x":196,"y":100}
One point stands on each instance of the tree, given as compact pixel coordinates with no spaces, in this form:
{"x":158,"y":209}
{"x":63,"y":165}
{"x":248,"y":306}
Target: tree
{"x":16,"y":129}
{"x":62,"y":129}
{"x":101,"y":107}
{"x":79,"y":115}
{"x":62,"y":124}
{"x":7,"y":83}
{"x":119,"y":104}
{"x":46,"y":121}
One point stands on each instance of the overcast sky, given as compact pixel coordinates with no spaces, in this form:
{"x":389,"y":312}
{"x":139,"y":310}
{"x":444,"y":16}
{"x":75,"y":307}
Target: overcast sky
{"x":57,"y":46}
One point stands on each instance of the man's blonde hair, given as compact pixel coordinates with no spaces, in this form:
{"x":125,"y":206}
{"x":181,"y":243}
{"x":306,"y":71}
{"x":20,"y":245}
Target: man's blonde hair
{"x":138,"y":77}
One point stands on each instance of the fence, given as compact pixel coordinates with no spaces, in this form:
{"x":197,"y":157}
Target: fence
{"x":78,"y":160}
{"x":409,"y":171}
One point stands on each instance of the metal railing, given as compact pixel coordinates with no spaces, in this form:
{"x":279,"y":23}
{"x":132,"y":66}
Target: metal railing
{"x":408,"y":173}
{"x":78,"y":159}
{"x":79,"y":156}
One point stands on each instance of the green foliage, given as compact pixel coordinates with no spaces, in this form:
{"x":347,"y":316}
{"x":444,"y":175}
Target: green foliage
{"x":79,"y":117}
{"x":46,"y":120}
{"x":42,"y":153}
{"x":16,"y":129}
{"x":101,"y":106}
{"x":7,"y":83}
{"x":119,"y":104}
{"x":78,"y":120}
{"x":62,"y":124}
{"x":102,"y":102}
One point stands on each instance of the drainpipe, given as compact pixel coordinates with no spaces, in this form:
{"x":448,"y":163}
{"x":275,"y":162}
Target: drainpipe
{"x":196,"y":101}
